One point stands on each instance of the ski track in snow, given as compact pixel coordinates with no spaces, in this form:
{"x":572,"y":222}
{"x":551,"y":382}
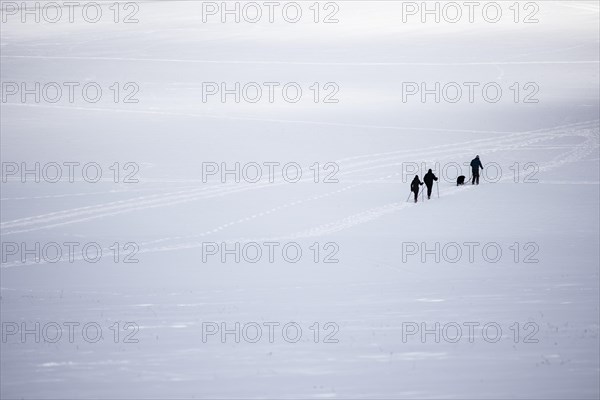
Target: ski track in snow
{"x":80,"y":194}
{"x":455,"y":150}
{"x":246,"y":118}
{"x":589,"y":131}
{"x":316,"y":63}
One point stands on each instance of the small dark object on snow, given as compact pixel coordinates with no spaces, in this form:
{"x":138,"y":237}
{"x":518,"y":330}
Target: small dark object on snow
{"x":460,"y":180}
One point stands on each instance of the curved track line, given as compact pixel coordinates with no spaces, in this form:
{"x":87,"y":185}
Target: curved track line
{"x":115,"y":208}
{"x":578,"y":152}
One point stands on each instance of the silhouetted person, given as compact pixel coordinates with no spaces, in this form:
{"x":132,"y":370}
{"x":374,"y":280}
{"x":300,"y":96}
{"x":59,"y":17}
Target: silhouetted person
{"x":414,"y":186}
{"x":428,"y":180}
{"x":475,"y":165}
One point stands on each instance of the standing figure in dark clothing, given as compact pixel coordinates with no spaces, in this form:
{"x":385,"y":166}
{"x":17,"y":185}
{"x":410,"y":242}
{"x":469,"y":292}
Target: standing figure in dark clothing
{"x":475,"y":165}
{"x":414,"y":186}
{"x":428,"y":180}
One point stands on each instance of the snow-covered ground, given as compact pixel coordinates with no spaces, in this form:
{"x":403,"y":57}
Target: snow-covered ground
{"x":538,"y":202}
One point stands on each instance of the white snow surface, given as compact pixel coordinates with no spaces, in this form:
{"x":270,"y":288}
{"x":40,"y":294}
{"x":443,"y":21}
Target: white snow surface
{"x":372,"y":292}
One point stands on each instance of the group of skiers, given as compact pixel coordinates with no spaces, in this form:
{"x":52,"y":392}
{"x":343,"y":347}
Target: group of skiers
{"x":430,"y":177}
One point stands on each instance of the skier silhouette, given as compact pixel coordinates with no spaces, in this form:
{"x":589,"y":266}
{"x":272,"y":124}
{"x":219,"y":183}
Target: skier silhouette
{"x":414,"y":186}
{"x":428,"y":180}
{"x":475,"y":165}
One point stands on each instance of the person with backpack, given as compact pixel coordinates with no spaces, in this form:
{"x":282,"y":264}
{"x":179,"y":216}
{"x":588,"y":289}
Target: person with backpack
{"x":428,"y":180}
{"x":475,"y":165}
{"x":414,"y":186}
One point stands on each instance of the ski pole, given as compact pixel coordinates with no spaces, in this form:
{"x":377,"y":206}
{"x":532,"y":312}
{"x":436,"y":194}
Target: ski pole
{"x":437,"y":185}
